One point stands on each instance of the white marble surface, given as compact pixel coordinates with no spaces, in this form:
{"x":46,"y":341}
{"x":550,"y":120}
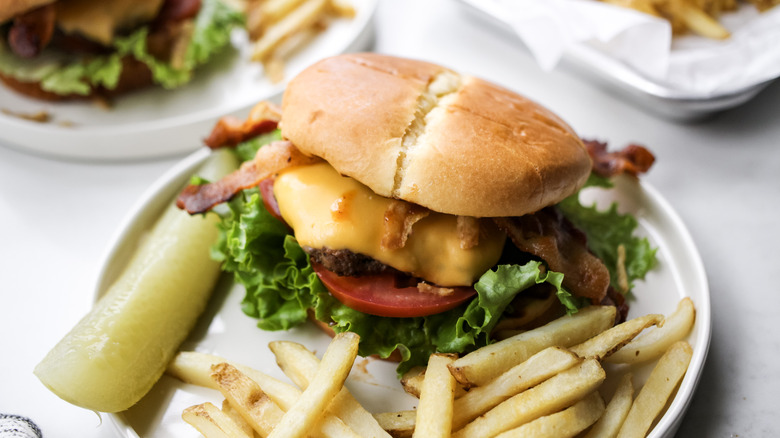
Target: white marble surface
{"x":722,"y":175}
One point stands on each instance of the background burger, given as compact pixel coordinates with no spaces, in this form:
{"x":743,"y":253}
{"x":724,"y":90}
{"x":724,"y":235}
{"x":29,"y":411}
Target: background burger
{"x":61,"y":49}
{"x":418,"y":207}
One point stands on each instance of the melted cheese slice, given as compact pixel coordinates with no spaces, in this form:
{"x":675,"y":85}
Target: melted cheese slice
{"x":99,"y":20}
{"x":327,"y":210}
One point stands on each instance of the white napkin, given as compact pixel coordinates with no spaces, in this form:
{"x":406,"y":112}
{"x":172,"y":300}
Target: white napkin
{"x":550,"y":28}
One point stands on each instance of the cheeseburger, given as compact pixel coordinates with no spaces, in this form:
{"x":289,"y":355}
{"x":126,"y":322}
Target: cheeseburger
{"x":423,"y":209}
{"x":64,"y":49}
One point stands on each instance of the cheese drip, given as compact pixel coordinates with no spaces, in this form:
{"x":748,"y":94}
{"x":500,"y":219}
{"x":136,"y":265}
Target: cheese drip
{"x":100,"y":20}
{"x":328,"y":210}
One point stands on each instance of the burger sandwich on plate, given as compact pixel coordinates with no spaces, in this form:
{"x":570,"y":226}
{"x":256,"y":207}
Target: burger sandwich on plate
{"x":65,"y":49}
{"x":423,"y":209}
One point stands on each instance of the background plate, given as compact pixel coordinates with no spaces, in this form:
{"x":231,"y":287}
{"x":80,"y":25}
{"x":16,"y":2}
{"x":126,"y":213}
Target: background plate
{"x":626,"y":82}
{"x":224,"y":330}
{"x":157,"y":123}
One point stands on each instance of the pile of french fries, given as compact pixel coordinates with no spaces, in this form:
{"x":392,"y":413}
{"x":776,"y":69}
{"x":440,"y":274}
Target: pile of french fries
{"x":545,"y":382}
{"x":695,"y":16}
{"x":279,"y":28}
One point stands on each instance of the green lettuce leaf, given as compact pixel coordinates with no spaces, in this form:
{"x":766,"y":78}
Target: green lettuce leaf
{"x":606,"y":230}
{"x":56,"y":74}
{"x":248,"y":149}
{"x":213,"y":26}
{"x":211,"y":32}
{"x":79,"y":78}
{"x":67,"y":80}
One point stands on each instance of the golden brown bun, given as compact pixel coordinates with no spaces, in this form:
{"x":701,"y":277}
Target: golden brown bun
{"x":11,"y":8}
{"x":423,"y":133}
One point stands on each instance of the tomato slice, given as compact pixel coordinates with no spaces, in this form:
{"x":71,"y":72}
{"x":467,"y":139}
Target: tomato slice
{"x":382,"y":296}
{"x":266,"y":187}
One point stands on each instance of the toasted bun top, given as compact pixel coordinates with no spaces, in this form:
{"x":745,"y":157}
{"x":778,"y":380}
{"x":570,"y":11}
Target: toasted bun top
{"x":425,"y":134}
{"x":11,"y":8}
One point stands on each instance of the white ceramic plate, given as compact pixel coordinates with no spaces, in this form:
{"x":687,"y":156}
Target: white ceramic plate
{"x":226,"y":331}
{"x":155,"y":122}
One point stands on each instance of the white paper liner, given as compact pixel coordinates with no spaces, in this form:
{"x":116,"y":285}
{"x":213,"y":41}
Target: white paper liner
{"x":692,"y":64}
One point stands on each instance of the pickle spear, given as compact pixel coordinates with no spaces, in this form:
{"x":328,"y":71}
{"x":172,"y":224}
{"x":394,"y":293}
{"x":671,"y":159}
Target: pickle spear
{"x":116,"y":353}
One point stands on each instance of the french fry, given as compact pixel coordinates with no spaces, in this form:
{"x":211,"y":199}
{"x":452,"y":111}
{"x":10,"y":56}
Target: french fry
{"x":434,"y":413}
{"x":261,"y":14}
{"x":244,"y":394}
{"x":303,"y":17}
{"x":657,"y":390}
{"x":305,"y":413}
{"x":274,"y":63}
{"x":234,"y":415}
{"x":300,"y":365}
{"x":552,"y":395}
{"x":296,"y":42}
{"x":274,"y":10}
{"x":195,"y":368}
{"x":332,"y":427}
{"x":487,"y":363}
{"x":255,"y":22}
{"x":564,"y":424}
{"x":701,"y":23}
{"x":699,"y":17}
{"x":609,"y":341}
{"x":609,"y":424}
{"x":342,"y":8}
{"x":213,"y":423}
{"x":397,"y":424}
{"x":413,"y":379}
{"x":533,"y":371}
{"x":763,"y":5}
{"x":280,"y":28}
{"x":656,"y":341}
{"x":639,"y":5}
{"x":274,"y":69}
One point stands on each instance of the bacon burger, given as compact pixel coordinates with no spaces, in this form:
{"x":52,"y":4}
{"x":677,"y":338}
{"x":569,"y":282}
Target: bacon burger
{"x":64,"y":49}
{"x":413,"y":205}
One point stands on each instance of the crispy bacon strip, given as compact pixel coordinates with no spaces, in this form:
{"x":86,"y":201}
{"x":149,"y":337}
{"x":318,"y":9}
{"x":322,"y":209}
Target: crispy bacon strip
{"x":633,"y":159}
{"x":176,"y":10}
{"x":400,"y":216}
{"x":548,"y":235}
{"x":230,"y":131}
{"x":269,"y":160}
{"x":32,"y":31}
{"x":615,"y":298}
{"x":468,"y":231}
